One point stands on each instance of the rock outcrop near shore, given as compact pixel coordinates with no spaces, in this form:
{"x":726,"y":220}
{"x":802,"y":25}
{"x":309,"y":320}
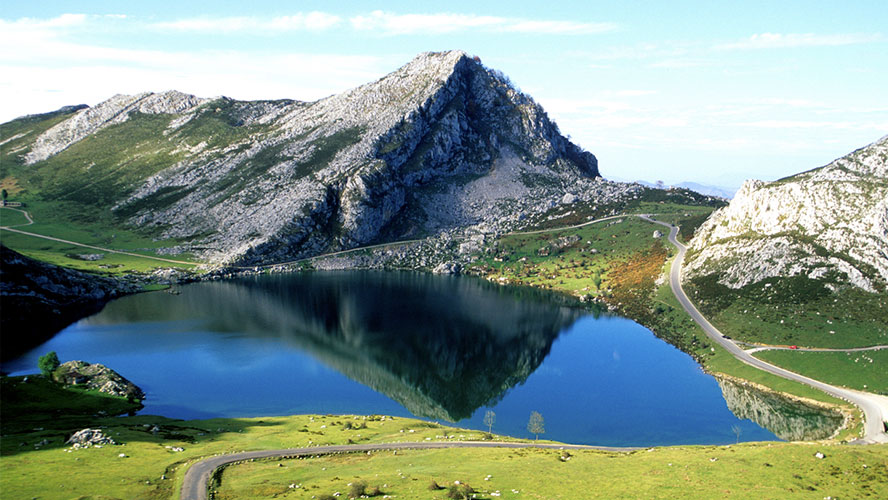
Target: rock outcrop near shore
{"x":97,"y":376}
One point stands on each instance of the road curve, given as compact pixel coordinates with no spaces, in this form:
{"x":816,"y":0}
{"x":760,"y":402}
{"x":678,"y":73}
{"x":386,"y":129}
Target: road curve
{"x":874,"y":430}
{"x":23,"y":212}
{"x":194,"y":486}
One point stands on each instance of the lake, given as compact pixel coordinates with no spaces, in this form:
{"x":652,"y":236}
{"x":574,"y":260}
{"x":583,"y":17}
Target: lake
{"x":443,"y":348}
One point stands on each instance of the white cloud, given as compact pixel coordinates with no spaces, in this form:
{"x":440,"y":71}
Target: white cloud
{"x":808,"y":124}
{"x":409,"y":24}
{"x":41,"y":69}
{"x":311,"y":21}
{"x":791,"y":40}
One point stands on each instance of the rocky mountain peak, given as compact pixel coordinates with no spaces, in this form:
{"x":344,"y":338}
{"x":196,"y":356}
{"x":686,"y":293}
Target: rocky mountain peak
{"x":832,"y":219}
{"x":443,"y":143}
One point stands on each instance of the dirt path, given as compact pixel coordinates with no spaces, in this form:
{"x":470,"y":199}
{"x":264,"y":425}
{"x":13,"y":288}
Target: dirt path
{"x":92,"y":247}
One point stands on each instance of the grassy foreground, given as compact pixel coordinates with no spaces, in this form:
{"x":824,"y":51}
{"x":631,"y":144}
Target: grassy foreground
{"x":777,"y":470}
{"x":151,"y":468}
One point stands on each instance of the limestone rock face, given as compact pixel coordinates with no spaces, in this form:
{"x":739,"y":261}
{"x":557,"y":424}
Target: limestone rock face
{"x":830,"y":222}
{"x":442,"y":143}
{"x":118,"y":109}
{"x":97,"y":376}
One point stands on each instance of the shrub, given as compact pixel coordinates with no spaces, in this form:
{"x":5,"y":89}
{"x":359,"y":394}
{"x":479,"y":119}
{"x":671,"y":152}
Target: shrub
{"x":460,"y":491}
{"x":48,"y":363}
{"x":357,"y":489}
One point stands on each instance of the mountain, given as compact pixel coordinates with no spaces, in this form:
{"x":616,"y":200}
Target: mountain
{"x":720,"y":191}
{"x":828,"y":224}
{"x":705,"y":189}
{"x":441,"y":144}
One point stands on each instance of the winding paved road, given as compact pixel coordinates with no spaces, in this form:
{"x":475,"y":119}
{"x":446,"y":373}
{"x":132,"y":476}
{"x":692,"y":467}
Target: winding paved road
{"x":874,"y":427}
{"x":194,"y":486}
{"x":756,"y":348}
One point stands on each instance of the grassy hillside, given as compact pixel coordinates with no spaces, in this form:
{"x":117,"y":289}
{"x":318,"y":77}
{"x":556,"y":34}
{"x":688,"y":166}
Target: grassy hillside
{"x":861,"y":370}
{"x":70,"y":196}
{"x":778,"y":470}
{"x":794,"y":311}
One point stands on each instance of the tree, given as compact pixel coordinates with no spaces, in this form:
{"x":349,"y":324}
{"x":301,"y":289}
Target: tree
{"x":536,"y":425}
{"x":489,"y":420}
{"x":596,"y":279}
{"x":737,"y":430}
{"x":4,"y":194}
{"x":48,"y":363}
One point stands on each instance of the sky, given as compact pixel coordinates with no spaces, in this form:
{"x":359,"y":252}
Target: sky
{"x":714,"y":92}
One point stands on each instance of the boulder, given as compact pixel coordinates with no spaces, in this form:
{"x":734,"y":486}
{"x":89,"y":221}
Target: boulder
{"x":568,"y":198}
{"x":89,"y":437}
{"x":448,"y":268}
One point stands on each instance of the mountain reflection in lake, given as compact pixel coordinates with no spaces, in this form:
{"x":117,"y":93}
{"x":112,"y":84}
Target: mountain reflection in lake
{"x":792,"y":420}
{"x":438,"y":347}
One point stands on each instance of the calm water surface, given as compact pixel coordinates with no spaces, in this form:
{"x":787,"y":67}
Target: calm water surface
{"x":439,"y":348}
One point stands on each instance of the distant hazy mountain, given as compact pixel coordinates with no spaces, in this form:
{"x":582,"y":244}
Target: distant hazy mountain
{"x":441,"y":143}
{"x":829,"y":224}
{"x":720,"y":191}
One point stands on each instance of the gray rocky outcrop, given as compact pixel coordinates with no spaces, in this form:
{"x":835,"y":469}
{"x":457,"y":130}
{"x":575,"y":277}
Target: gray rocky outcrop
{"x":118,"y":109}
{"x":97,"y":376}
{"x":87,"y":438}
{"x":829,"y":223}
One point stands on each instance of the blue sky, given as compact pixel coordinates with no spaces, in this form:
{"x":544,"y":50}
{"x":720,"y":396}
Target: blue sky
{"x":708,"y":91}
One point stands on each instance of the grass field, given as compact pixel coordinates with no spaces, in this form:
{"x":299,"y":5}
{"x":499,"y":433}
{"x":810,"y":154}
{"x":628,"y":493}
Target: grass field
{"x":11,"y":217}
{"x":578,"y":261}
{"x":56,"y":471}
{"x":862,"y":370}
{"x":794,"y":311}
{"x":777,"y":470}
{"x":97,"y":231}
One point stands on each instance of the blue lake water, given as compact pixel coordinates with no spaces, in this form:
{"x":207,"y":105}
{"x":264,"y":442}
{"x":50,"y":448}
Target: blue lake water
{"x":437,"y":347}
